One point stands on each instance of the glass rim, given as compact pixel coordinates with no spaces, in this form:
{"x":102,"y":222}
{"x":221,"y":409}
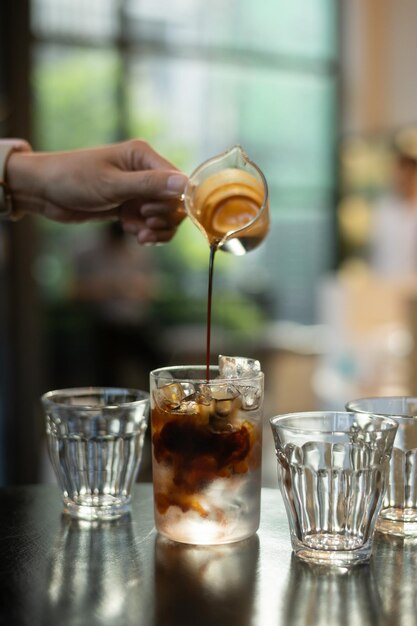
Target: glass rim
{"x":49,"y":397}
{"x":279,"y":421}
{"x":393,"y":415}
{"x":203,"y":380}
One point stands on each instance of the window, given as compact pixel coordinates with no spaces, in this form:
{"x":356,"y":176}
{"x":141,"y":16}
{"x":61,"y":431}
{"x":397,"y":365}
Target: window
{"x":193,"y":78}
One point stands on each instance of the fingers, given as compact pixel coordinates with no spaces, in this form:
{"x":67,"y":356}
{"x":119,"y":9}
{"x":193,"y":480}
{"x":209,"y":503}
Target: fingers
{"x":152,"y":223}
{"x":141,"y":156}
{"x":148,"y":184}
{"x":169,"y":213}
{"x":143,"y":173}
{"x":148,"y":236}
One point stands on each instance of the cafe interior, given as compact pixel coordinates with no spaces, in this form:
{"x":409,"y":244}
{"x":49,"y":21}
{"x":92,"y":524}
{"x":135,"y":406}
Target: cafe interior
{"x":322,"y":97}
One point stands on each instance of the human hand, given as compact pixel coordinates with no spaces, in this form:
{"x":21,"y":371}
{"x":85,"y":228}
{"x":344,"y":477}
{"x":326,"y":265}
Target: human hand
{"x":129,"y":181}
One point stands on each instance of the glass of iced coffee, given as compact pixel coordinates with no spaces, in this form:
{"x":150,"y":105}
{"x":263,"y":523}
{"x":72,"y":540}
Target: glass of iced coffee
{"x":206,"y":449}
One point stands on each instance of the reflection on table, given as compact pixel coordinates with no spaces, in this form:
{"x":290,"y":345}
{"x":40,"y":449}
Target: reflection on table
{"x":395,"y":567}
{"x":57,"y":571}
{"x":214,"y":584}
{"x":321,"y":596}
{"x":94,"y":571}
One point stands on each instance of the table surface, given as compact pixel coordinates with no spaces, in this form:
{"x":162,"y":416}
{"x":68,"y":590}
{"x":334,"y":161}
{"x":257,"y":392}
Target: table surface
{"x":55,"y":571}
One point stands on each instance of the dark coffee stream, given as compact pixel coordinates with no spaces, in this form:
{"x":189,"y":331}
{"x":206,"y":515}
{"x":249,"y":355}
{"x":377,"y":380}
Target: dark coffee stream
{"x":213,"y":249}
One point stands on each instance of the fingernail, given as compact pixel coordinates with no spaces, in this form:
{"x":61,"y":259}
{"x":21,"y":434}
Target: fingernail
{"x":156,"y":222}
{"x":147,"y":237}
{"x":176,"y":183}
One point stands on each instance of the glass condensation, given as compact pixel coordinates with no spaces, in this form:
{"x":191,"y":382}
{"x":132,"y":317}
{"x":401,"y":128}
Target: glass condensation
{"x":207,"y":445}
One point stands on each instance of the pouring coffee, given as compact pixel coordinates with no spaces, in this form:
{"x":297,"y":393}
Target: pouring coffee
{"x":227,"y":199}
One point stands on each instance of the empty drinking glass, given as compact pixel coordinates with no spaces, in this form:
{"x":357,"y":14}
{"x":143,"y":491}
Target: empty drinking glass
{"x":399,"y":510}
{"x":95,"y":440}
{"x":332,"y":468}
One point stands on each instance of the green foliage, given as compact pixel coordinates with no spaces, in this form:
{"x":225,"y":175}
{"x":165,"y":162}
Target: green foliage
{"x":75,"y":100}
{"x":76,"y":96}
{"x":233,"y":312}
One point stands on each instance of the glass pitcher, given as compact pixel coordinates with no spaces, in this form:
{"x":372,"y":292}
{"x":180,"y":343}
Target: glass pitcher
{"x":227,"y":198}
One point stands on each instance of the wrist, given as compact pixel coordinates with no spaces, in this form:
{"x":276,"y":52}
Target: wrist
{"x":23,"y":182}
{"x":9,"y":147}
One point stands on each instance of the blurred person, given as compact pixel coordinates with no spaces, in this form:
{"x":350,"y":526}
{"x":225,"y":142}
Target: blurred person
{"x":128,"y":181}
{"x":114,"y":274}
{"x":394,"y":227}
{"x":113,"y":286}
{"x":114,"y":281}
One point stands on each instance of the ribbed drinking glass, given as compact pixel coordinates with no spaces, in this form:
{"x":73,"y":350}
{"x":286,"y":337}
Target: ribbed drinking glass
{"x":399,"y":510}
{"x":95,"y":439}
{"x":332,"y":469}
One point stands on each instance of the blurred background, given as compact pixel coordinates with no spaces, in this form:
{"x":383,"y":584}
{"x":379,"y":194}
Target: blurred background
{"x":321,"y":95}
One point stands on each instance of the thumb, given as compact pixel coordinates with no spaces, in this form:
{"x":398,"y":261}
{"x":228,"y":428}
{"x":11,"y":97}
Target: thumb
{"x":157,"y":184}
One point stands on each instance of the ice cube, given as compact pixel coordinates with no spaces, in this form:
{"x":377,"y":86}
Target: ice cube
{"x":196,"y":405}
{"x":238,"y":367}
{"x":223,"y":391}
{"x":188,"y":388}
{"x":188,"y":406}
{"x":203,"y":395}
{"x":170,"y":396}
{"x":224,"y":397}
{"x":251,"y":397}
{"x":223,"y":408}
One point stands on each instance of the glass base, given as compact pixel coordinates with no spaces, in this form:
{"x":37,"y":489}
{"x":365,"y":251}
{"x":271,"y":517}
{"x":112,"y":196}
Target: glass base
{"x":221,"y":526}
{"x":328,"y":549}
{"x":200,"y":540}
{"x":398,"y":522}
{"x":104,"y":508}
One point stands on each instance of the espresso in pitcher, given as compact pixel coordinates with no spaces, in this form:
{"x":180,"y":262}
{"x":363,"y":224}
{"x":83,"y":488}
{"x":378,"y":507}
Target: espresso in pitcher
{"x":228,"y":206}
